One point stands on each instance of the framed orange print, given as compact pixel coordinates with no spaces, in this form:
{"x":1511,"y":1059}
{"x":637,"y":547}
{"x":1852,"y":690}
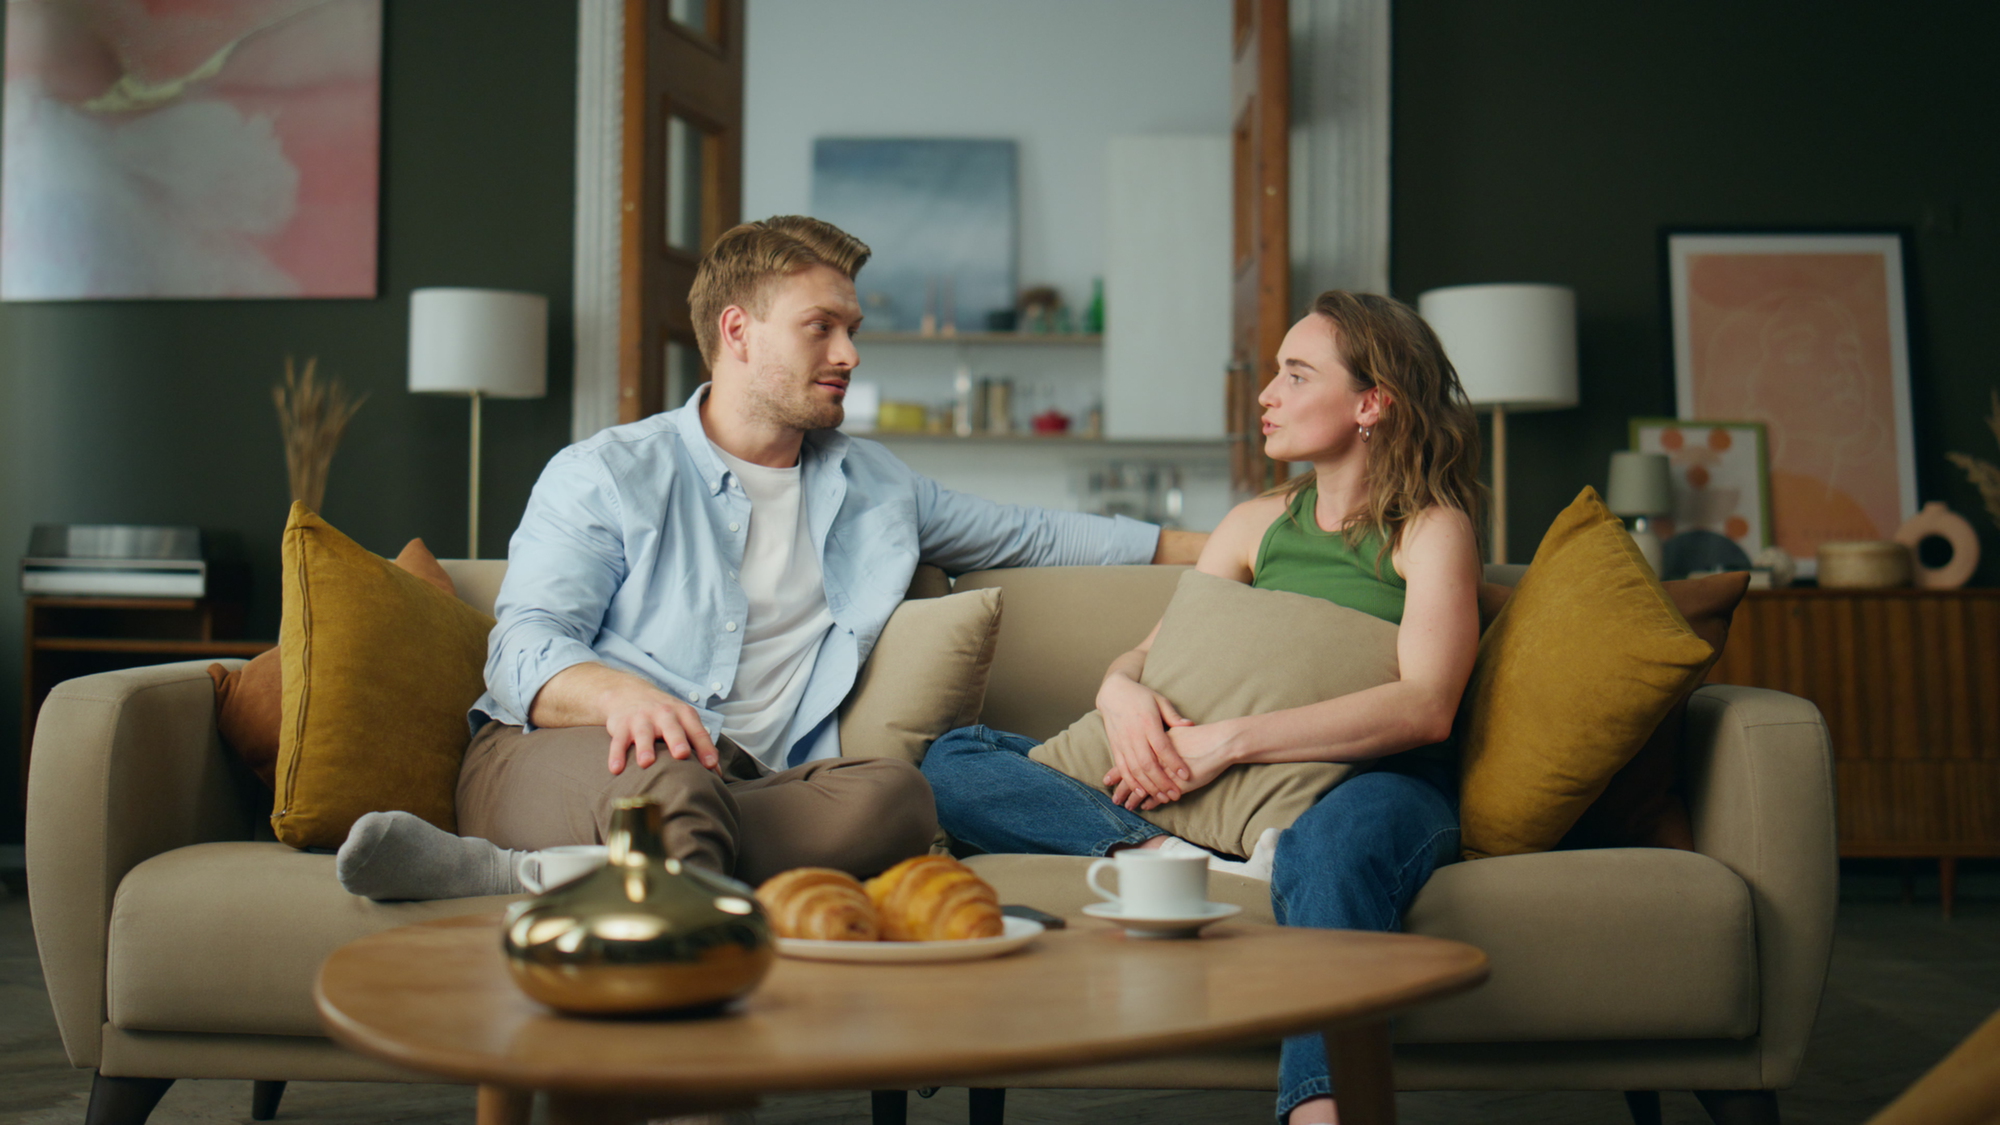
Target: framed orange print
{"x":1807,"y":334}
{"x":1719,"y":477}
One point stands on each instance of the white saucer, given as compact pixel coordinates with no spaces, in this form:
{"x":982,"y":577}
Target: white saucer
{"x":1016,"y":932}
{"x":1157,"y":927}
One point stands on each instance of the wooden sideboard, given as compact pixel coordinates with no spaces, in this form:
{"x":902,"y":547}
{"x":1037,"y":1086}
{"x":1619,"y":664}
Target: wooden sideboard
{"x":1909,"y":682}
{"x":69,"y":637}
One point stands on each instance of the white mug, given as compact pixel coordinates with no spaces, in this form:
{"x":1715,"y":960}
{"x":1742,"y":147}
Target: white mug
{"x":1151,"y":885}
{"x":552,"y":867}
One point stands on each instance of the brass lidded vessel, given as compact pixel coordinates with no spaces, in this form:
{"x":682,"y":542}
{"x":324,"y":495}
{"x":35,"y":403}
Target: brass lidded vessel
{"x":644,"y":933}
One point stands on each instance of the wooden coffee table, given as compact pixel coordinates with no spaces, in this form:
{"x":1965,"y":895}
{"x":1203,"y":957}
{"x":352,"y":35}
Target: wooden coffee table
{"x":436,"y":998}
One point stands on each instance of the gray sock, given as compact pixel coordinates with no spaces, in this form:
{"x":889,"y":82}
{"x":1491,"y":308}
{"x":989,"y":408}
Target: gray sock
{"x":399,"y":855}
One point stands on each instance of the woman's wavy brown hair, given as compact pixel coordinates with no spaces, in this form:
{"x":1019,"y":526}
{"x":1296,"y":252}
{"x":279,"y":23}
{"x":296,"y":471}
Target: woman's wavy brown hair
{"x":1425,"y":450}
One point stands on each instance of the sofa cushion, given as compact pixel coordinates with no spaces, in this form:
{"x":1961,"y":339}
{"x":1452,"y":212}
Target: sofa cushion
{"x":1064,"y":625}
{"x":1643,"y":805}
{"x":249,"y":699}
{"x":228,"y":937}
{"x":1586,"y":658}
{"x":926,"y":675}
{"x":1613,"y":943}
{"x":1214,"y":660}
{"x":379,"y":669}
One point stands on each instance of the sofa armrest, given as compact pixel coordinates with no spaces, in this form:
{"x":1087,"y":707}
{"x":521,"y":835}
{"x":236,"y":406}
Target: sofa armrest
{"x":1760,"y":789}
{"x":126,"y":765}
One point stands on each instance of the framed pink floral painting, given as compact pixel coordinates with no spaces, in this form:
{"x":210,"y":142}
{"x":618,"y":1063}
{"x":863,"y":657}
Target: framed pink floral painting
{"x":1807,"y":334}
{"x":190,"y":148}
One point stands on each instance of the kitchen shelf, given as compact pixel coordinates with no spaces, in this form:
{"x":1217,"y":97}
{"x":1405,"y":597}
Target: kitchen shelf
{"x":900,"y":437}
{"x":1070,"y":339}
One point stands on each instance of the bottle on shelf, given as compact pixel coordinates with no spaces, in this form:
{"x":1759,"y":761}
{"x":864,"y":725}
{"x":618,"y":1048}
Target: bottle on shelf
{"x":1093,"y":317}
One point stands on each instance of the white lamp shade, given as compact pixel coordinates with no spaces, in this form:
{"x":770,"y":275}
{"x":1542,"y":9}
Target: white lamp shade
{"x":1513,"y":345}
{"x":487,"y":341}
{"x":1641,"y":485}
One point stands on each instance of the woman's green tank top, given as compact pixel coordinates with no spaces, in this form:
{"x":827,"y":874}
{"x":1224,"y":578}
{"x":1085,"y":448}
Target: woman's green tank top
{"x":1298,"y":556}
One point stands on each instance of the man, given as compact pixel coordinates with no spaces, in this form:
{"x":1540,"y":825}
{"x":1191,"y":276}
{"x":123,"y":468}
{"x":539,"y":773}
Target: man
{"x":690,"y":597}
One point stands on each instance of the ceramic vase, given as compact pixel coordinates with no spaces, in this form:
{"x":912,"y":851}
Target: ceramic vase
{"x":644,"y":933}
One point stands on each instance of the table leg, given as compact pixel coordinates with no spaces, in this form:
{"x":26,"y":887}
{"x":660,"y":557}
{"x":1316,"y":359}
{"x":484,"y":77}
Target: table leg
{"x":1364,"y":1079}
{"x":1948,"y":883}
{"x":615,"y":1109}
{"x":499,"y":1105}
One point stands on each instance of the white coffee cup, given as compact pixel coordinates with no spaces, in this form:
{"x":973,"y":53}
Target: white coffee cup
{"x":552,"y":867}
{"x":1151,"y":885}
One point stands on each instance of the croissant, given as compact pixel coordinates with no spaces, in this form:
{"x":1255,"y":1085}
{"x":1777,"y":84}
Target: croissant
{"x":818,"y":903}
{"x":934,"y":898}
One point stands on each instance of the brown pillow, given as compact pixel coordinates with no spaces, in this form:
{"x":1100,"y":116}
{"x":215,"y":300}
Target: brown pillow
{"x":1583,"y":662}
{"x":1643,"y":807}
{"x":247,"y":698}
{"x":246,"y":711}
{"x":1227,"y":650}
{"x":926,"y":675}
{"x":379,"y":667}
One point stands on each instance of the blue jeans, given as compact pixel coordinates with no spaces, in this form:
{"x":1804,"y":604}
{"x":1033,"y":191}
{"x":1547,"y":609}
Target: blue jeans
{"x":1354,"y":861}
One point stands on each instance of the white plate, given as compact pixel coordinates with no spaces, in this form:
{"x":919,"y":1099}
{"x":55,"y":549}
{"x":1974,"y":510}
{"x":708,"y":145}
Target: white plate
{"x":1018,"y":932}
{"x":1182,"y":926}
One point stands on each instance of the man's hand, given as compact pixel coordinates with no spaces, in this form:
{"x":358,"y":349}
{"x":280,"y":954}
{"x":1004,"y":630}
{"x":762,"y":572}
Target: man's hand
{"x":641,"y":715}
{"x":638,"y":715}
{"x":1146,"y":768}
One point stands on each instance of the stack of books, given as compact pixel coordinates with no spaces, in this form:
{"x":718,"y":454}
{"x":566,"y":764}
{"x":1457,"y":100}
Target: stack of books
{"x":114,"y":561}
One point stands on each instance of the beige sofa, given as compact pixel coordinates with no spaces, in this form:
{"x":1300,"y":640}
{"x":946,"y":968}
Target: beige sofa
{"x":178,"y":941}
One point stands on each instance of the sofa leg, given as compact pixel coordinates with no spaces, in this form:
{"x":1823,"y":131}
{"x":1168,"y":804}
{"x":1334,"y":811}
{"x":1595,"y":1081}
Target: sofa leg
{"x":123,"y":1101}
{"x":889,"y":1107}
{"x":1740,"y":1107}
{"x":1644,"y":1106}
{"x":264,"y":1099}
{"x":988,"y":1106}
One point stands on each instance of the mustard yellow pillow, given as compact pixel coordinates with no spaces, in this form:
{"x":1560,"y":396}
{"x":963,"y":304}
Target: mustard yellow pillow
{"x":1586,"y":658}
{"x":379,"y":667}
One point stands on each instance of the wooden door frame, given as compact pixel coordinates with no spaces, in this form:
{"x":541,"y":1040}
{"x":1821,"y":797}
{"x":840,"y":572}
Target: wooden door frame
{"x":670,"y":71}
{"x":1260,"y":132}
{"x":607,"y":322}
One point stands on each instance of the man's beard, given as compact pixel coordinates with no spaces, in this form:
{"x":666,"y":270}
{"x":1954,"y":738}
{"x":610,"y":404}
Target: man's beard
{"x":781,"y":399}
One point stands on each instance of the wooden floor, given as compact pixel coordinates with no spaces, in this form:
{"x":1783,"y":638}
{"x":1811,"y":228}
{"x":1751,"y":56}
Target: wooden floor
{"x":1905,"y":987}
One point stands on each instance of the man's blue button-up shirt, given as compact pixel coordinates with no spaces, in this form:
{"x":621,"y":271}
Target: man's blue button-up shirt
{"x":629,"y":550}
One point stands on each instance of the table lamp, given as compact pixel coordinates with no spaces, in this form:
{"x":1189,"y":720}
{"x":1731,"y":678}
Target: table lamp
{"x":1641,"y":489}
{"x":1515,"y":349}
{"x":478,"y":342}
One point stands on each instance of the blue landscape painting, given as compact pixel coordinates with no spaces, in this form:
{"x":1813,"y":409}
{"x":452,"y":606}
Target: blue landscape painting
{"x":941,"y":217}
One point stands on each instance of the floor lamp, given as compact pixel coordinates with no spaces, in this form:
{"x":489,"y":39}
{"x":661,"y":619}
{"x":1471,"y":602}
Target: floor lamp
{"x":1515,"y":349}
{"x":478,"y":342}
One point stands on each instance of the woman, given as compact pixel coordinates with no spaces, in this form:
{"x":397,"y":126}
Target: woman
{"x":1383,"y":524}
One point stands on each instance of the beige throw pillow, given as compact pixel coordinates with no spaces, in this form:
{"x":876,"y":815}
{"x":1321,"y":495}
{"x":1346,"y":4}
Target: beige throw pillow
{"x":1227,"y":650}
{"x":925,"y":676}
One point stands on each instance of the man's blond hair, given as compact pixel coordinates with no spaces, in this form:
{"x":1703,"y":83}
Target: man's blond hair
{"x":737,"y":270}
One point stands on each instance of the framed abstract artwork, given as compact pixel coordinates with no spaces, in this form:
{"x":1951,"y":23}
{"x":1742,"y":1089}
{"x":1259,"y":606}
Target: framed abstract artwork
{"x":1719,"y":477}
{"x":1808,"y":334}
{"x":942,"y":217}
{"x":228,"y":148}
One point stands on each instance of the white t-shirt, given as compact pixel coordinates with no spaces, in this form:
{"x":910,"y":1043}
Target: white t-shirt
{"x":788,"y":614}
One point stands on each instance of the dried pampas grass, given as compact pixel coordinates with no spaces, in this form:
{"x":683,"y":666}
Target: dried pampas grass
{"x":1984,"y":474}
{"x":312,"y":416}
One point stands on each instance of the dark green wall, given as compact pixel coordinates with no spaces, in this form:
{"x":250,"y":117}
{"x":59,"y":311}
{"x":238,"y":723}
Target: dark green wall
{"x":1550,"y":140}
{"x":160,"y":411}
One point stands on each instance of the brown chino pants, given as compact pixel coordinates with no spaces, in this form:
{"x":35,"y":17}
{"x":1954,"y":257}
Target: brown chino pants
{"x":551,"y":787}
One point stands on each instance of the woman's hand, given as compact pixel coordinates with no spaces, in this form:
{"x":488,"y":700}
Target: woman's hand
{"x":1206,"y":750}
{"x":1146,"y":771}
